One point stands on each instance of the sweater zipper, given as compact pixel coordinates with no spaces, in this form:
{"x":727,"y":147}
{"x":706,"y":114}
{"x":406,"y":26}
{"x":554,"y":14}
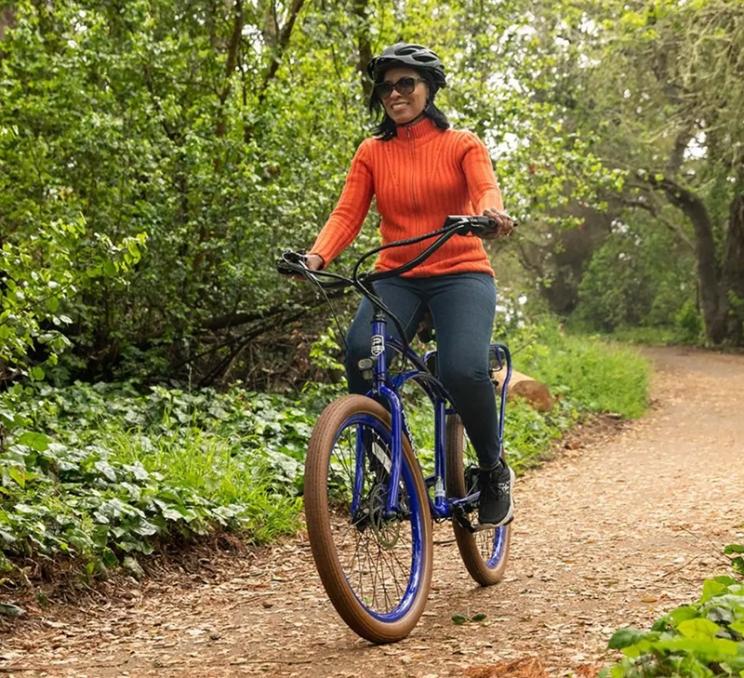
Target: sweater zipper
{"x":412,"y":139}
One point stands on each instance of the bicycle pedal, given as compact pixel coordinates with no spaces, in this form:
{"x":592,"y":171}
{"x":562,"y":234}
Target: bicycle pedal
{"x":462,"y":519}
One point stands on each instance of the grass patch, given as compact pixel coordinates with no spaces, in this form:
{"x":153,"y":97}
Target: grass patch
{"x":595,"y":375}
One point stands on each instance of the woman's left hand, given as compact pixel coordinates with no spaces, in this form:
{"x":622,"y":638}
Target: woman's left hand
{"x":505,"y":222}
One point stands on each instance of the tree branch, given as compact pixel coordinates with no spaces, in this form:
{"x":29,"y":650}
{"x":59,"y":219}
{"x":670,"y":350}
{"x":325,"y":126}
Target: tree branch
{"x":708,"y":268}
{"x":233,"y":49}
{"x":654,"y":211}
{"x":281,"y":45}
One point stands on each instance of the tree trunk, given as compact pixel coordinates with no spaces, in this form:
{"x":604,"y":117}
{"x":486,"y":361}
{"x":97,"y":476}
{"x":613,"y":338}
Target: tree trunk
{"x":714,"y":305}
{"x":364,"y":48}
{"x":7,"y":20}
{"x":281,"y":45}
{"x":732,"y":280}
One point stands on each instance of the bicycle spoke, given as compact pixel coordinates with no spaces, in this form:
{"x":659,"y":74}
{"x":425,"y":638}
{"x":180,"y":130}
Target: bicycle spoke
{"x":375,"y":551}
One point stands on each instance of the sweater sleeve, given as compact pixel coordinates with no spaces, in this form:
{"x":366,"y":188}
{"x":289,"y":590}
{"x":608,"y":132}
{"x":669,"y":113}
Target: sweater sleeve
{"x":482,"y":185}
{"x":346,"y":220}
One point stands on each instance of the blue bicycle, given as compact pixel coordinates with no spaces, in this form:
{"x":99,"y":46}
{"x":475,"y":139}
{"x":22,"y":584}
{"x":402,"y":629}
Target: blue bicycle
{"x":368,"y":506}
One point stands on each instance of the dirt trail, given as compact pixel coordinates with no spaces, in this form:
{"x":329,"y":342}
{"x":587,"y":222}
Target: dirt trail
{"x":615,"y":531}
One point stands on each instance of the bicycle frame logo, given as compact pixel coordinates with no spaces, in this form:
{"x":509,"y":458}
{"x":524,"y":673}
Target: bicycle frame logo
{"x":378,"y":345}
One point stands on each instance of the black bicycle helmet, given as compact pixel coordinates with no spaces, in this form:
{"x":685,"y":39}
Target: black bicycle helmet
{"x":406,"y":54}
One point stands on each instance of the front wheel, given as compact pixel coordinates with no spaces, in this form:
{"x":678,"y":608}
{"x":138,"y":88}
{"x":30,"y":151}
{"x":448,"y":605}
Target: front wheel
{"x":376,"y":568}
{"x":485,"y":552}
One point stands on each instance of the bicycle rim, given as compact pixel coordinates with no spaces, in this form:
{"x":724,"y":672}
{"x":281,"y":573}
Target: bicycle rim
{"x":484,"y":553}
{"x":375,"y":568}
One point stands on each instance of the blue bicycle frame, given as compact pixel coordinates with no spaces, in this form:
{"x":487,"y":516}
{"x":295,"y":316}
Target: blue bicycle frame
{"x":387,"y":389}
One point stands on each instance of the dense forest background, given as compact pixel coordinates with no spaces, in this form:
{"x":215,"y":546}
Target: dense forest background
{"x":156,"y":156}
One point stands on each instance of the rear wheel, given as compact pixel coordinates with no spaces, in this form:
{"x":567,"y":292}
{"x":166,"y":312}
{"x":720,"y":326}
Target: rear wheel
{"x":485,"y":553}
{"x":375,"y":568}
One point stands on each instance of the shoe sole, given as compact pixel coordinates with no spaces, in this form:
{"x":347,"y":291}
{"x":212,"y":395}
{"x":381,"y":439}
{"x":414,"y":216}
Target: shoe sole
{"x":478,"y":527}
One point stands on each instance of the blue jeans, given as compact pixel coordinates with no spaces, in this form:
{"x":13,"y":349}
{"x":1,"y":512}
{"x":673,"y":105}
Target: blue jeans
{"x":462,"y":308}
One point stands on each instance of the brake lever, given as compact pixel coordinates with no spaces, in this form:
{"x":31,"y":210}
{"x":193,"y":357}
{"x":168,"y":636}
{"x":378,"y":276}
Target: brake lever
{"x":291,"y":263}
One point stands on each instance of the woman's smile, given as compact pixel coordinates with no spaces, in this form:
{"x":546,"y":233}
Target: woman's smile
{"x":402,"y":108}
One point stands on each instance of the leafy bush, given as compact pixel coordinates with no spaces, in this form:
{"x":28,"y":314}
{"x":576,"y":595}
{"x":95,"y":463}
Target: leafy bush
{"x":689,"y":323}
{"x":702,"y":639}
{"x":639,"y":277}
{"x":101,"y":472}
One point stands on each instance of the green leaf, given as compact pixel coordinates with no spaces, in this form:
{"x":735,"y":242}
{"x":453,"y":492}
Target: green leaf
{"x":625,"y":637}
{"x":7,"y":418}
{"x":711,"y":649}
{"x":18,"y":475}
{"x":105,"y":469}
{"x":738,"y":626}
{"x":714,"y":587}
{"x":145,"y":528}
{"x":34,"y":440}
{"x":698,"y":628}
{"x":681,"y":614}
{"x":459,"y":619}
{"x":478,"y":617}
{"x":170,"y":513}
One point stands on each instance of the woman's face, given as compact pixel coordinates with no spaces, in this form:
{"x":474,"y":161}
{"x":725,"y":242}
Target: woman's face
{"x":403,"y":108}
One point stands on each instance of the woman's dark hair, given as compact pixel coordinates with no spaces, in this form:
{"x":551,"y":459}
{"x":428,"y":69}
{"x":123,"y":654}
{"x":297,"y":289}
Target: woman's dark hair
{"x":386,"y":128}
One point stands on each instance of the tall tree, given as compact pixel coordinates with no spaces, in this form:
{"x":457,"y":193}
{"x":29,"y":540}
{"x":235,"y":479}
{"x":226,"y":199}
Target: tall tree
{"x":670,"y":89}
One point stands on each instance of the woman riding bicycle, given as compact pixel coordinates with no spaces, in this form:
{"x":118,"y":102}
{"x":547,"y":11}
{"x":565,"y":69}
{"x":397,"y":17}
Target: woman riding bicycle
{"x":420,"y":171}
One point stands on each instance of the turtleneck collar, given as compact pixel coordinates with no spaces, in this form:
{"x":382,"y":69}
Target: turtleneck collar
{"x":422,"y":129}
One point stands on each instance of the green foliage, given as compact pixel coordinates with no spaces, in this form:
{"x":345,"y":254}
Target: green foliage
{"x":100,"y":472}
{"x":626,"y":284}
{"x":40,"y":278}
{"x":665,"y":96}
{"x":580,"y":369}
{"x":128,"y":122}
{"x":197,"y":126}
{"x":702,"y":639}
{"x":689,"y":323}
{"x":103,"y":472}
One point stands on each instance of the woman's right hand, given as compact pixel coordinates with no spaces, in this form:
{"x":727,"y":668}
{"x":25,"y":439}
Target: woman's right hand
{"x":314,"y":262}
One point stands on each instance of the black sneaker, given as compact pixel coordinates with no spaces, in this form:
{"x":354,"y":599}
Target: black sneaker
{"x":495,"y":506}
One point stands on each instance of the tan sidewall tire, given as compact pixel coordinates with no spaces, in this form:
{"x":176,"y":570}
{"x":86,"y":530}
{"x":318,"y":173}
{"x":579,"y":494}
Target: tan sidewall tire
{"x":466,"y":541}
{"x":319,"y":529}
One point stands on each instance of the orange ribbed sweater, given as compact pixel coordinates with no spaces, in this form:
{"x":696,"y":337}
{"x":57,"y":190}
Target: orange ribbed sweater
{"x":418,"y":178}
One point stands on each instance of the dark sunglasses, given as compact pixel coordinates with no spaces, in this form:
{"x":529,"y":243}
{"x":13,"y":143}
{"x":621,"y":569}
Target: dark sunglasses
{"x":404,"y":86}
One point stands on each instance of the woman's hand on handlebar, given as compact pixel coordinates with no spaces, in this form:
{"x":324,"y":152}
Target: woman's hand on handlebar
{"x":506,"y":224}
{"x":314,"y":262}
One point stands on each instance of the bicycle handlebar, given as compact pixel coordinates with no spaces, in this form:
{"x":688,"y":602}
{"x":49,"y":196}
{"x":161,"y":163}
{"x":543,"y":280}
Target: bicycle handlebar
{"x":293,"y":263}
